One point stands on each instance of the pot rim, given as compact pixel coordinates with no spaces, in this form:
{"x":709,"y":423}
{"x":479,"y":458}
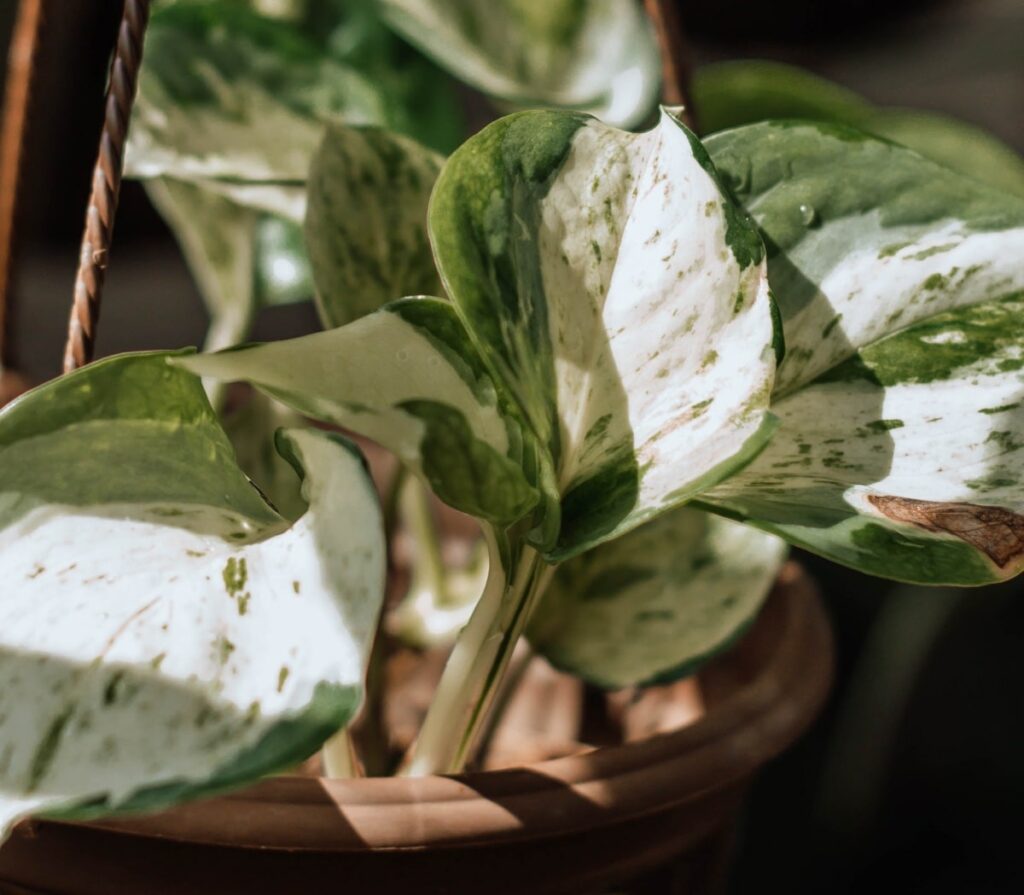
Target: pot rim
{"x":764,"y":707}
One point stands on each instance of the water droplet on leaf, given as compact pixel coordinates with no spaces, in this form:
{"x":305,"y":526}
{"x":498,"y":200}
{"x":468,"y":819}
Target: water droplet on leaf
{"x":809,"y":215}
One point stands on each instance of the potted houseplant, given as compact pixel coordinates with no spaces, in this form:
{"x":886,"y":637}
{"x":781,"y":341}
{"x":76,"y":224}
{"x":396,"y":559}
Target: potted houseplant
{"x":605,"y":382}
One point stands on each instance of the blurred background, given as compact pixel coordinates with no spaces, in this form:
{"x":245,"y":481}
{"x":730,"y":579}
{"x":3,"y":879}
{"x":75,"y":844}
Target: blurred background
{"x":913,"y":780}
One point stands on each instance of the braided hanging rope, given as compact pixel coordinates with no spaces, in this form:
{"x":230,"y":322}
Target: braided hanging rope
{"x":106,"y":185}
{"x":675,"y":57}
{"x":21,"y":66}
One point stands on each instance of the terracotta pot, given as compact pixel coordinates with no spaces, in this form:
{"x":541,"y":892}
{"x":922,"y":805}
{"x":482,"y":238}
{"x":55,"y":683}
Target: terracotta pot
{"x":570,"y":825}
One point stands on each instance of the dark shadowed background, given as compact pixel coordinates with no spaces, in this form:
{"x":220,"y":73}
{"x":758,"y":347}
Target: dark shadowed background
{"x":913,"y":781}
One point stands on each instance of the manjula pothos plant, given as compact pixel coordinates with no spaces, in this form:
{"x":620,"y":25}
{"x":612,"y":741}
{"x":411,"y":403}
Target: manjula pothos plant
{"x":643,"y":361}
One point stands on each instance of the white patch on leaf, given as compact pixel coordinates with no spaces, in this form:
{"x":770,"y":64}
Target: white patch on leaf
{"x":662,"y":342}
{"x":142,"y":646}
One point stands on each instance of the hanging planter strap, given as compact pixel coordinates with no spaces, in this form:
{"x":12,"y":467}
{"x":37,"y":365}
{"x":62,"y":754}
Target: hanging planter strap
{"x":20,"y":72}
{"x":106,"y":185}
{"x":675,"y":57}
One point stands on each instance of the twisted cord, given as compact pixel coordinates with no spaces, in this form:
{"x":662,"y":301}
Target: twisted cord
{"x":21,"y":70}
{"x":675,"y":57}
{"x":106,"y":185}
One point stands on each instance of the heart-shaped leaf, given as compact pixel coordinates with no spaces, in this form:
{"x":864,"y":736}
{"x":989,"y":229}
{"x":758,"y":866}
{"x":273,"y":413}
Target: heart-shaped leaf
{"x":620,"y":296}
{"x":366,"y":221}
{"x":900,"y":288}
{"x":598,"y":56}
{"x":656,"y":603}
{"x":163,"y":632}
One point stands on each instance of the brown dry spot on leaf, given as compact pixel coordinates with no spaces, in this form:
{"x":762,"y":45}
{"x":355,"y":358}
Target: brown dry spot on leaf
{"x":995,"y":531}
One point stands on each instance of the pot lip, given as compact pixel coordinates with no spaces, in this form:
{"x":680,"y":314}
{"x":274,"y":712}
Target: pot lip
{"x":764,"y":709}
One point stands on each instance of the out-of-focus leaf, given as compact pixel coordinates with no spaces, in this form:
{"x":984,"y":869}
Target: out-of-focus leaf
{"x":731,"y":94}
{"x":597,"y":56}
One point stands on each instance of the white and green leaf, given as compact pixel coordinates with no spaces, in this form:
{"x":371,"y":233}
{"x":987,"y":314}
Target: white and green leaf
{"x":597,"y":56}
{"x":227,"y":95}
{"x":735,"y":93}
{"x":900,"y":288}
{"x":163,"y":632}
{"x":366,"y":221}
{"x":905,"y":461}
{"x":620,"y":296}
{"x":864,"y":237}
{"x":408,"y":378}
{"x":656,"y":603}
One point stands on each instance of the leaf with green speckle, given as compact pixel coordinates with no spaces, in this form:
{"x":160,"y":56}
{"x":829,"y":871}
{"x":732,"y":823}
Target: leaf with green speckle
{"x":894,"y":238}
{"x":366,"y":221}
{"x":900,"y":298}
{"x":150,"y":597}
{"x":659,"y":601}
{"x":926,"y":482}
{"x":231,"y":97}
{"x":645,"y":368}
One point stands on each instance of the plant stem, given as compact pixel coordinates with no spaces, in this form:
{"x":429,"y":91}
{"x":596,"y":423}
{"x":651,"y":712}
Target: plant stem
{"x":429,"y":564}
{"x":477,"y":665}
{"x":339,"y":757}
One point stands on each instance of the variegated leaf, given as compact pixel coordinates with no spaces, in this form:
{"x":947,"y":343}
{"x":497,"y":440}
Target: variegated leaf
{"x":366,"y":221}
{"x":229,"y":95}
{"x":163,"y":632}
{"x":900,"y":287}
{"x":620,"y":296}
{"x":864,"y":237}
{"x":599,"y":56}
{"x":657,"y":602}
{"x":905,"y":461}
{"x":731,"y":94}
{"x":408,"y":378}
